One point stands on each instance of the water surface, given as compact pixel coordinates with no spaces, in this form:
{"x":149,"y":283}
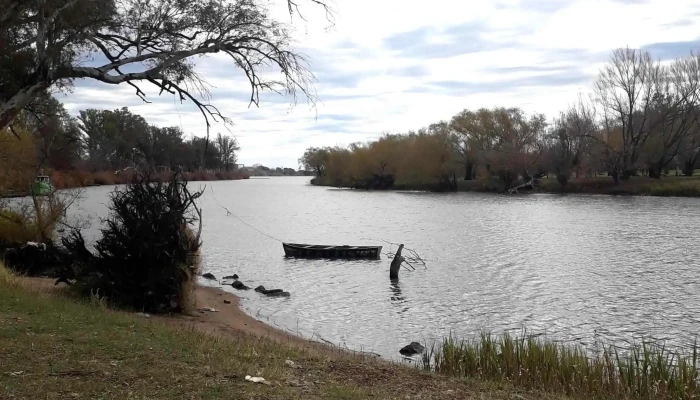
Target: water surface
{"x":577,"y":268}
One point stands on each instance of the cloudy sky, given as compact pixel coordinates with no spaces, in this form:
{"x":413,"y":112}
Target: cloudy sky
{"x":393,"y":65}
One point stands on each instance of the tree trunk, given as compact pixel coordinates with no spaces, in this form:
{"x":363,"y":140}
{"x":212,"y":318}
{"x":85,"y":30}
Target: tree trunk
{"x":688,"y":168}
{"x":396,"y":264}
{"x":11,"y":108}
{"x":655,"y":172}
{"x":616,"y":176}
{"x":468,"y":171}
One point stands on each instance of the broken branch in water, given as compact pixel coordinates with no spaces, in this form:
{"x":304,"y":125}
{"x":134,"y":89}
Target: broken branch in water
{"x":409,"y":256}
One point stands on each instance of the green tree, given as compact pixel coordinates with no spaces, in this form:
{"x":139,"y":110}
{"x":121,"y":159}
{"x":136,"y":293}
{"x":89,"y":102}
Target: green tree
{"x":315,"y":159}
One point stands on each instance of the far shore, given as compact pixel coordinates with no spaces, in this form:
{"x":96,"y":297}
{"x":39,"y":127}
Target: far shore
{"x":669,"y":186}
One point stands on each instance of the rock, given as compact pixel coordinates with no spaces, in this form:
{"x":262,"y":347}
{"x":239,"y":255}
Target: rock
{"x":272,"y":292}
{"x":227,"y":301}
{"x":239,"y":285}
{"x":256,"y":379}
{"x":209,"y":276}
{"x":292,"y":364}
{"x":234,"y":276}
{"x":278,"y":294}
{"x":411,"y":349}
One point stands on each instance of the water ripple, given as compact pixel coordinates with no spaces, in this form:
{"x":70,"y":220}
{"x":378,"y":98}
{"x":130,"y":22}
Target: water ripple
{"x":579,"y":268}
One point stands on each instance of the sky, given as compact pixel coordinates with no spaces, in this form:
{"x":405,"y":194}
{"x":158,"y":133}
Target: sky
{"x":393,"y":66}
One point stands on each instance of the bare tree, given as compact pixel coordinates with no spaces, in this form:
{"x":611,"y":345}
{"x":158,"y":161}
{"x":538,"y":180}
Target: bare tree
{"x":625,"y":91}
{"x":228,"y":147}
{"x":569,"y":138}
{"x":45,"y":43}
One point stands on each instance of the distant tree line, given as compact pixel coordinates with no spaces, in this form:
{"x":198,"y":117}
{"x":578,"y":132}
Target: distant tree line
{"x":261,"y":170}
{"x":643,"y":118}
{"x":112,"y":140}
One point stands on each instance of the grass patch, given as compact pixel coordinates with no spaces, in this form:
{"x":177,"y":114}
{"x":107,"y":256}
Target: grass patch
{"x":53,"y":346}
{"x":648,"y":371}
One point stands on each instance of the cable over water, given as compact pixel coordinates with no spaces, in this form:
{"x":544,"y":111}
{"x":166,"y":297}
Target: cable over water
{"x":230,"y":214}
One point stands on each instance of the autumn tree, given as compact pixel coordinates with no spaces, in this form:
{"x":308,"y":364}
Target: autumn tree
{"x":44,"y":44}
{"x":476,"y":136}
{"x":315,"y":159}
{"x":18,"y":160}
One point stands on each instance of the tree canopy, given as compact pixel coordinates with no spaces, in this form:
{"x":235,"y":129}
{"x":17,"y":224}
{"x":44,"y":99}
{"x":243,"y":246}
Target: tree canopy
{"x":643,"y":117}
{"x":48,"y":44}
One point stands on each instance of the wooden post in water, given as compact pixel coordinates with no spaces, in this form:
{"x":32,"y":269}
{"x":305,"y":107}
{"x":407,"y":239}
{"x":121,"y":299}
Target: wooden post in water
{"x":396,"y":264}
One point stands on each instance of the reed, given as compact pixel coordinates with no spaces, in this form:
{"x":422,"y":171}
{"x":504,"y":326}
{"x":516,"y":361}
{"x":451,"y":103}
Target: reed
{"x":646,"y":371}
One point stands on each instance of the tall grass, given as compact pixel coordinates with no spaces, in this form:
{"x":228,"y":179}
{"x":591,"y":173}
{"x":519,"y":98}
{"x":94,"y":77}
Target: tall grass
{"x":647,"y":371}
{"x":7,"y":278}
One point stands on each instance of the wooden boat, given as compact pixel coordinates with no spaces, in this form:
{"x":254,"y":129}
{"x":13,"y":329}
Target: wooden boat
{"x":325,"y":251}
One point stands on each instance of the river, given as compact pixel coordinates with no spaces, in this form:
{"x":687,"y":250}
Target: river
{"x":577,"y":268}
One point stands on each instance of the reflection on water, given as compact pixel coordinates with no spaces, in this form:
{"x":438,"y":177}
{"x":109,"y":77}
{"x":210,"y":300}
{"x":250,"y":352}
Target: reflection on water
{"x":575,"y":267}
{"x":397,"y":298}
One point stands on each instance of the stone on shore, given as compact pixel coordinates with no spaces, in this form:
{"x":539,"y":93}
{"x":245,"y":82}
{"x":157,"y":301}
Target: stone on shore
{"x":411,"y":349}
{"x":239,"y":285}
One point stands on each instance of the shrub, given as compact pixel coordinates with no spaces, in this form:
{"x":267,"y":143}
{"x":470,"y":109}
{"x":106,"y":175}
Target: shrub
{"x":563,"y":178}
{"x":16,"y":227}
{"x":147,"y":256}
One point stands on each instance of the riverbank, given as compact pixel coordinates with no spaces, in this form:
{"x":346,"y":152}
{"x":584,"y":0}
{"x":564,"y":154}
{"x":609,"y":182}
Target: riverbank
{"x":78,"y":178}
{"x":676,"y":186}
{"x":54,"y":346}
{"x":81,"y":179}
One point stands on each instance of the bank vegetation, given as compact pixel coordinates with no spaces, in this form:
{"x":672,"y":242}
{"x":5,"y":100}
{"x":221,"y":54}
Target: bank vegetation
{"x":641,"y":120}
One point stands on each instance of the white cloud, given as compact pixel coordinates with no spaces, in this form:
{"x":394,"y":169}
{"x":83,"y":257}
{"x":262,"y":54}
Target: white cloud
{"x":394,"y":65}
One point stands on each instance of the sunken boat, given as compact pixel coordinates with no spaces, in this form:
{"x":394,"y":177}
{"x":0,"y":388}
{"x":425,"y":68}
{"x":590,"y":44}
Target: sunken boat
{"x":299,"y":250}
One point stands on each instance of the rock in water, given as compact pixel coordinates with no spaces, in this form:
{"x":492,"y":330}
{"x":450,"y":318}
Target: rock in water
{"x":272,"y":292}
{"x":411,"y":349}
{"x":209,"y":276}
{"x":261,"y":289}
{"x":278,"y":294}
{"x":234,"y":276}
{"x":239,"y":285}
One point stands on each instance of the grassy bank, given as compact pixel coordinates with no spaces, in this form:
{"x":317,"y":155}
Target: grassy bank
{"x":52,"y":347}
{"x":679,"y":186}
{"x":648,"y":371}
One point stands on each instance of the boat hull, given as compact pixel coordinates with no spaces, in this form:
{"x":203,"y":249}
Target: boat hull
{"x":332,"y":252}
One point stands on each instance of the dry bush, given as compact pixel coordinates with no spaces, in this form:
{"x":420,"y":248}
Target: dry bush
{"x":104,"y":178}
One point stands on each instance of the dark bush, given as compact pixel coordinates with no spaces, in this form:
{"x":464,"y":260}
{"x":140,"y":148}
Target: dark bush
{"x":148,"y":256}
{"x":563,"y":178}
